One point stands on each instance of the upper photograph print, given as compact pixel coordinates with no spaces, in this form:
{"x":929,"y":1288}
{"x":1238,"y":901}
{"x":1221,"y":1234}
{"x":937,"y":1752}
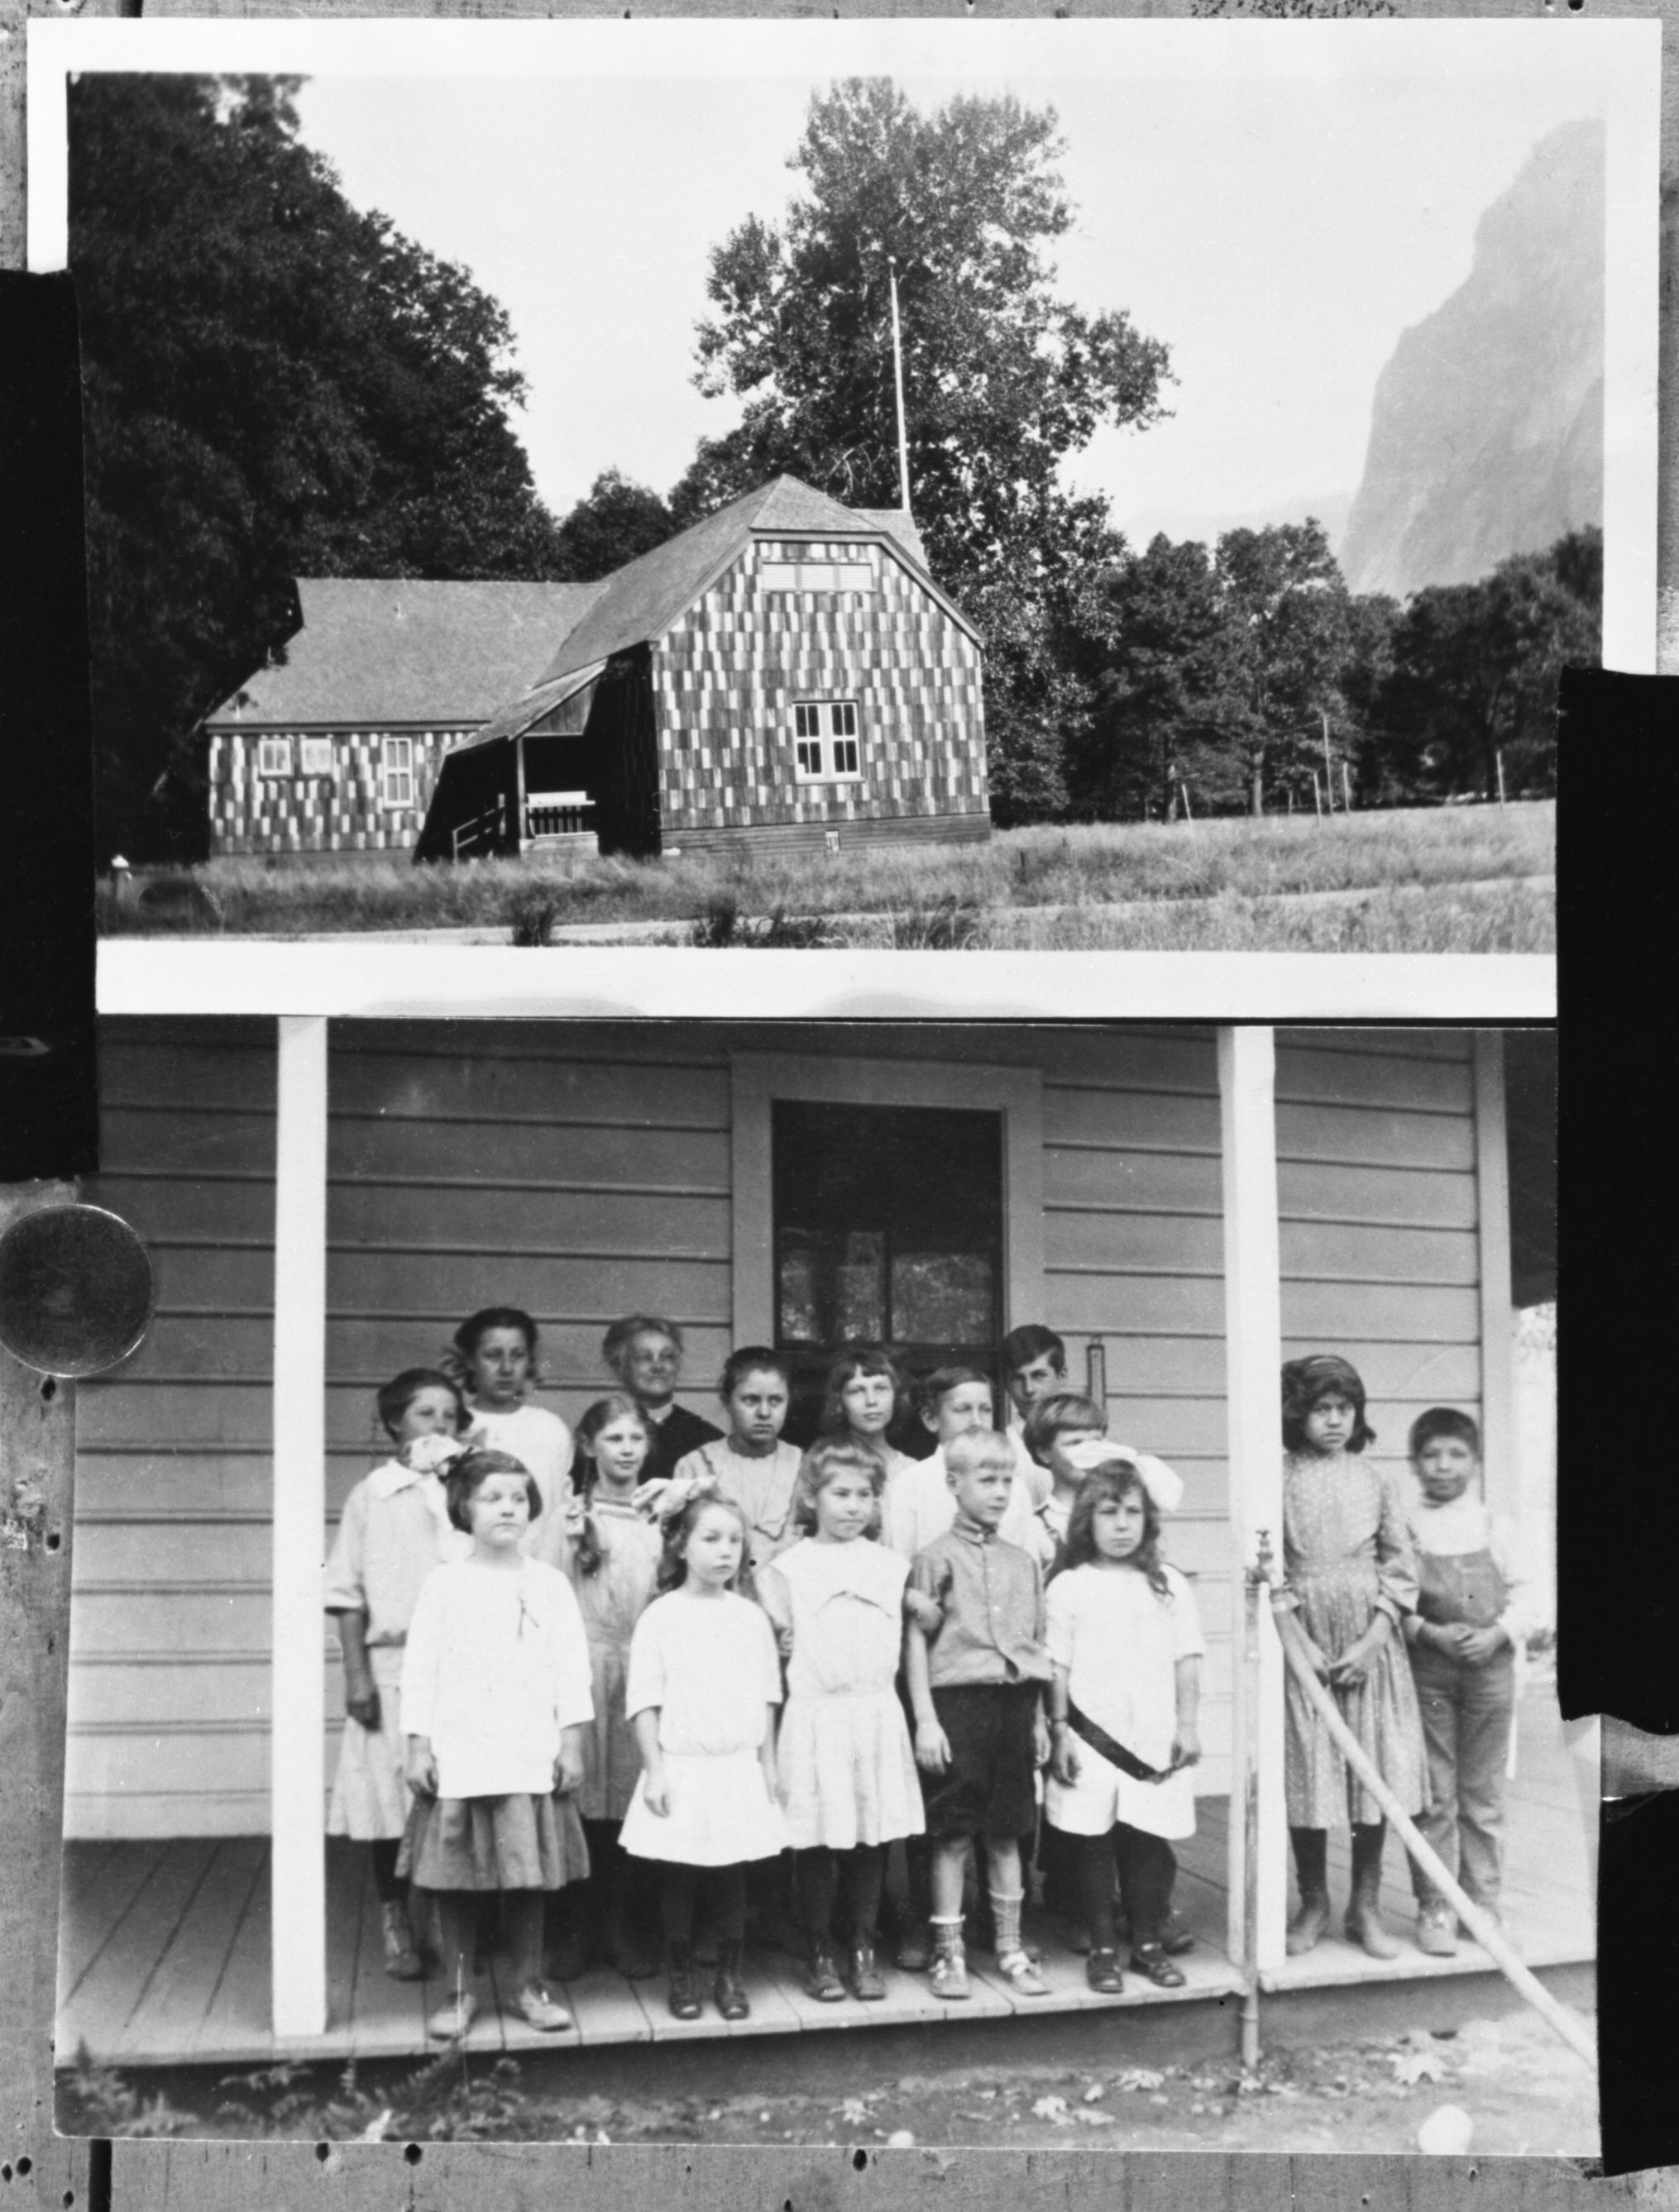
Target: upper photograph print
{"x":792,"y":492}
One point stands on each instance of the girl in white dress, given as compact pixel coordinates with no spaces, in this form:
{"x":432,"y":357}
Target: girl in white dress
{"x":844,"y":1760}
{"x":495,"y":1703}
{"x":703,"y":1685}
{"x":614,"y":1569}
{"x":1126,"y":1644}
{"x":494,"y":1353}
{"x":751,"y":1464}
{"x":394,"y":1529}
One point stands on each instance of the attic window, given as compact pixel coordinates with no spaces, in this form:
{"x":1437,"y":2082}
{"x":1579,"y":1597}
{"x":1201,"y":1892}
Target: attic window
{"x":273,"y":755}
{"x":825,"y":744}
{"x":856,"y":576}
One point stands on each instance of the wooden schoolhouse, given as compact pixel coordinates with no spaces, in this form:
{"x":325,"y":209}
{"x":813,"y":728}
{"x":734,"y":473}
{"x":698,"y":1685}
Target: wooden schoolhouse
{"x":330,"y":751}
{"x":323,"y":1204}
{"x":784,"y":675}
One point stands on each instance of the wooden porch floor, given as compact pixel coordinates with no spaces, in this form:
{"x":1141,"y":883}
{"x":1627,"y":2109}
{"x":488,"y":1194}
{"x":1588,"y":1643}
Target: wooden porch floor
{"x":164,"y":1948}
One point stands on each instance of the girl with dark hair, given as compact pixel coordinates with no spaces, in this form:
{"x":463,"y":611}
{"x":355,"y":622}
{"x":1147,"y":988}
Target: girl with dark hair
{"x":703,"y":1684}
{"x":1351,"y":1579}
{"x":751,"y":1464}
{"x":846,"y":1770}
{"x":614,"y":1570}
{"x":496,"y":1703}
{"x":1125,"y":1642}
{"x":494,"y":1353}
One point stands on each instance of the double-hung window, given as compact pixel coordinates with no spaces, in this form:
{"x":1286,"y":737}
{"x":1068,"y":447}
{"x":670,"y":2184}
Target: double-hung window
{"x":396,"y":779}
{"x":826,"y":747}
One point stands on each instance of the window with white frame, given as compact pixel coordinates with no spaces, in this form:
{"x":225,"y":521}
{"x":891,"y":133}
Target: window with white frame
{"x":396,"y":775}
{"x":273,"y":755}
{"x":314,"y":757}
{"x":826,"y":747}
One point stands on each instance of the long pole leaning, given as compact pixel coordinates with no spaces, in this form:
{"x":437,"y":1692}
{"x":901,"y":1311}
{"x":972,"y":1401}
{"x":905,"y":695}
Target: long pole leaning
{"x":1486,"y":1931}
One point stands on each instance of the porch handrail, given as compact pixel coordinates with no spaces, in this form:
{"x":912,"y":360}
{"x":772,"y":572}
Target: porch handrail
{"x":1486,"y":1930}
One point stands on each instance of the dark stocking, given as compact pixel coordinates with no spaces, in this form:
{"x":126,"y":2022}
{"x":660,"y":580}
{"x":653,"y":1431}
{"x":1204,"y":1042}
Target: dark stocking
{"x":815,"y":1882}
{"x":865,"y":1876}
{"x":1311,"y":1860}
{"x":521,"y":1932}
{"x":1092,"y":1861}
{"x":387,"y":1880}
{"x":1147,"y":1872}
{"x":678,"y":1891}
{"x":1368,"y":1838}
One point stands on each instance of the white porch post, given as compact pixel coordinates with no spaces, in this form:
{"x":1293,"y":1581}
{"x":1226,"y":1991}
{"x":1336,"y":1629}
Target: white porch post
{"x":1497,"y":1365}
{"x":298,"y":1866}
{"x":1253,"y":1354}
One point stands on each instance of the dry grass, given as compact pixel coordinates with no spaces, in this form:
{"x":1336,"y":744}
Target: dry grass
{"x":1215,"y":884}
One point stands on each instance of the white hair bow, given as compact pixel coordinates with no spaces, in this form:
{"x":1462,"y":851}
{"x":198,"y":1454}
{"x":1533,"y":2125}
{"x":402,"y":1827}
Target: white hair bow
{"x":432,"y":1455}
{"x":1165,"y":1487}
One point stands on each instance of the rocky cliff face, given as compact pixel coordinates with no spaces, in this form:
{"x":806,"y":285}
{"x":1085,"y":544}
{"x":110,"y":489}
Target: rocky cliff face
{"x":1487,"y":435}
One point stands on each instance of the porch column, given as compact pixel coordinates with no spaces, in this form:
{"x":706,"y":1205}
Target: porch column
{"x":298,"y":1864}
{"x":1253,"y":1354}
{"x":1497,"y":1365}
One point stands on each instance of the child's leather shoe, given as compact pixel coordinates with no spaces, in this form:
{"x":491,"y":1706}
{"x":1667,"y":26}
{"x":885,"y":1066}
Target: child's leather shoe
{"x":1102,"y":1973}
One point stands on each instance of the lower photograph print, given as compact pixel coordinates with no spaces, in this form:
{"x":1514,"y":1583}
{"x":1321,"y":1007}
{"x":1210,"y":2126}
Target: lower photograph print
{"x":629,"y":1549}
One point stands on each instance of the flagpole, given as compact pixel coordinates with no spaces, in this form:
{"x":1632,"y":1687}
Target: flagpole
{"x":898,"y":384}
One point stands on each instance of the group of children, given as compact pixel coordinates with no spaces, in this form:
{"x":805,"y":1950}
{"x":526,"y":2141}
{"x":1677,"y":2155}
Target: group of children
{"x":590,"y":1692}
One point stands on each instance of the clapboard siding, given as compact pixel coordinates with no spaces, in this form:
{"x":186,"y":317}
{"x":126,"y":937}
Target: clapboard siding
{"x":583,"y":1171}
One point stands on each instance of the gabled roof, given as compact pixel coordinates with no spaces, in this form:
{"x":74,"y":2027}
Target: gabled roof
{"x":371,"y":652}
{"x":643,"y":599}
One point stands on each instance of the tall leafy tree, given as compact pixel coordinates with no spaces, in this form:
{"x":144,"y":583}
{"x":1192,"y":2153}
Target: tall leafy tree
{"x":1154,"y":624}
{"x":618,"y":522}
{"x":1004,"y":380}
{"x":1475,"y":668}
{"x":1286,"y":638}
{"x":275,"y":383}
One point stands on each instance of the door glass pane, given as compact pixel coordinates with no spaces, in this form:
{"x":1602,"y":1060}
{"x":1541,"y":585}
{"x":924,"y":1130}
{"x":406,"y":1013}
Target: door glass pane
{"x":942,"y":1297}
{"x":888,"y":1229}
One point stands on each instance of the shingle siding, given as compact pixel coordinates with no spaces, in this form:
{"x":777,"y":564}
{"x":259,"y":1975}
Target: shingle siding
{"x":726,"y":674}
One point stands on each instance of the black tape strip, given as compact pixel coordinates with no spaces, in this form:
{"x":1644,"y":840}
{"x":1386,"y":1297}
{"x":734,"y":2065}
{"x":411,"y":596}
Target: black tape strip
{"x":1617,"y":1499}
{"x":48,"y":1101}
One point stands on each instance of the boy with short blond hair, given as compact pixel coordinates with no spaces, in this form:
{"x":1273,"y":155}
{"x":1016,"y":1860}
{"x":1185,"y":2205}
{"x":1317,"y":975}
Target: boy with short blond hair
{"x":977,"y":1684}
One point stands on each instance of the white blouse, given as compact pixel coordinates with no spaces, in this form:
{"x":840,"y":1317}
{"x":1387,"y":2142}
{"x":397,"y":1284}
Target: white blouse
{"x":496,"y":1664}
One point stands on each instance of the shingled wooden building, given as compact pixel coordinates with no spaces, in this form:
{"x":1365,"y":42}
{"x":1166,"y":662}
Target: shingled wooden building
{"x":332,"y":750}
{"x":786,"y":673}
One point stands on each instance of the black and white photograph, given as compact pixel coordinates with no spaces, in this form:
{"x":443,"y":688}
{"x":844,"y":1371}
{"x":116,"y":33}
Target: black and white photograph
{"x":1033,"y":1594}
{"x":1133,"y":487}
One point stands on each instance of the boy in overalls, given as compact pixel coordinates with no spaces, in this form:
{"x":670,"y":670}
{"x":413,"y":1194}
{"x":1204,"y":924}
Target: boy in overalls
{"x":1466,"y":1641}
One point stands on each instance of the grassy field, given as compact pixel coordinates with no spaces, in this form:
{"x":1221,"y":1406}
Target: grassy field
{"x":1438,"y":879}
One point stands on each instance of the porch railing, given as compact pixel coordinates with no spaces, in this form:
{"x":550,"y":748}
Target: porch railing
{"x":558,"y":813}
{"x":484,"y":833}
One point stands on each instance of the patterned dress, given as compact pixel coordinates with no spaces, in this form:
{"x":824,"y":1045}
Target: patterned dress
{"x":611,"y":1601}
{"x":1347,"y":1551}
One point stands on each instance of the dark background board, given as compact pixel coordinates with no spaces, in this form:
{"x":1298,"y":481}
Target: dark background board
{"x":1613,"y":980}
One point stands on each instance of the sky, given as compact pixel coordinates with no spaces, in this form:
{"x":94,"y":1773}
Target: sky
{"x":1278,"y":229}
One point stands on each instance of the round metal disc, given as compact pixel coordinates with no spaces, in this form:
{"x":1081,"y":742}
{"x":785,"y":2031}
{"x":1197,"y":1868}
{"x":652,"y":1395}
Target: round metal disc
{"x":76,"y":1289}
